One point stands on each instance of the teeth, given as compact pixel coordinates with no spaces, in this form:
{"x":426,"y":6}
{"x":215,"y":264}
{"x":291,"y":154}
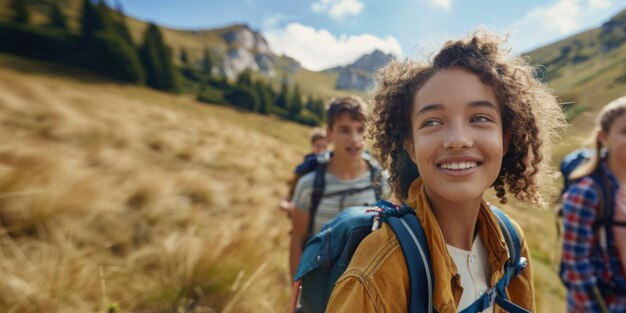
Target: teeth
{"x":459,"y":165}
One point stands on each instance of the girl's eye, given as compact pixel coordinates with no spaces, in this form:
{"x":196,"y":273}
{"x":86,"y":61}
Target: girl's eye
{"x":431,"y":122}
{"x":481,"y":119}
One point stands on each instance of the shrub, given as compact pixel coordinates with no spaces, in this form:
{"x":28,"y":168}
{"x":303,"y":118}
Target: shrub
{"x":112,"y":56}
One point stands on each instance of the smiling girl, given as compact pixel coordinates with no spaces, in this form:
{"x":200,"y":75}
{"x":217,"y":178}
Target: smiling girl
{"x":448,"y":131}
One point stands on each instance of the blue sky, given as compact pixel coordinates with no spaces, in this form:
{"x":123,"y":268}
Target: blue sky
{"x":324,"y":33}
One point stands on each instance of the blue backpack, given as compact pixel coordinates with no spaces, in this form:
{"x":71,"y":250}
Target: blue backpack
{"x":570,"y":162}
{"x":327,"y":255}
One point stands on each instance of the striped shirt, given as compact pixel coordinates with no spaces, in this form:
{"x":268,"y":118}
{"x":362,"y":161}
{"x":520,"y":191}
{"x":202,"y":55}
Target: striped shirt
{"x":583,"y":265}
{"x":332,"y":205}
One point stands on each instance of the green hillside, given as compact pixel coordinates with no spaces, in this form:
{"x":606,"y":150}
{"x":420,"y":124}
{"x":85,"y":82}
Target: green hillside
{"x":588,"y":69}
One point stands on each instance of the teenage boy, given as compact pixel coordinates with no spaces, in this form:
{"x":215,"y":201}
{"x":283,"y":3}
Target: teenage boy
{"x":350,"y":176}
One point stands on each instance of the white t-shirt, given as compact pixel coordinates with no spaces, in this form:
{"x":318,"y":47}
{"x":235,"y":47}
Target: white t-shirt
{"x":330,"y":206}
{"x":474,"y":270}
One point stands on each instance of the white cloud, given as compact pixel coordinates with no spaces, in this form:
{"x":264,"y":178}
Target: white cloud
{"x":599,"y":4}
{"x":338,"y":9}
{"x":545,"y":24}
{"x":444,"y":4}
{"x":561,"y":16}
{"x":318,"y":49}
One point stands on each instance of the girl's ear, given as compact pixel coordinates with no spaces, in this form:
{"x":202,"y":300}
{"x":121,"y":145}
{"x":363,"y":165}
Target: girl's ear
{"x":602,"y":137}
{"x":409,"y":147}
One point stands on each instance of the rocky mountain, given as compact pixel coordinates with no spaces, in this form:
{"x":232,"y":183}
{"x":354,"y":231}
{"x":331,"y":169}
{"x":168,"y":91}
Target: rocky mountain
{"x":244,"y":48}
{"x":359,"y":75}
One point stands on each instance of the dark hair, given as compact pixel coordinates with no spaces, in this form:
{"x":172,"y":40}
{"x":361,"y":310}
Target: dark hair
{"x":353,"y":105}
{"x":530,"y":113}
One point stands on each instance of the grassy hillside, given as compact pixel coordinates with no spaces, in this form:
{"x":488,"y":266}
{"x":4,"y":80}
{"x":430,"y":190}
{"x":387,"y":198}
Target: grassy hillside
{"x":588,"y":69}
{"x":117,"y":194}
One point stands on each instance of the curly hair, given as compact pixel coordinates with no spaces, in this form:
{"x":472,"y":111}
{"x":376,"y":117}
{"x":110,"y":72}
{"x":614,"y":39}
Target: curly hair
{"x":530,"y":114}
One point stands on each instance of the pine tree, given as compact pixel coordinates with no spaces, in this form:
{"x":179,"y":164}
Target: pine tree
{"x":121,"y":26}
{"x":88,"y":25}
{"x":308,"y":105}
{"x":102,"y":17}
{"x":295,"y":105}
{"x":95,"y":18}
{"x":57,"y":18}
{"x":207,"y":63}
{"x":244,"y":78}
{"x":282,"y":101}
{"x":184,"y":58}
{"x":109,"y":50}
{"x":265,"y":102}
{"x":157,"y":60}
{"x":319,"y":109}
{"x":22,"y":16}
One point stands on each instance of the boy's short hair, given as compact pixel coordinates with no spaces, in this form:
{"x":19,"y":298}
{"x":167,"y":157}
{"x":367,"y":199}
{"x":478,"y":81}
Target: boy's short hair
{"x":317,"y":134}
{"x":353,"y":105}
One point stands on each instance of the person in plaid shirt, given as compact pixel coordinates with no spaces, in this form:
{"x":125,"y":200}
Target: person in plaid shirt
{"x":594,"y":257}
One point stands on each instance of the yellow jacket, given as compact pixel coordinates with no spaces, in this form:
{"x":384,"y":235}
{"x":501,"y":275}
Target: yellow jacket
{"x":377,"y":279}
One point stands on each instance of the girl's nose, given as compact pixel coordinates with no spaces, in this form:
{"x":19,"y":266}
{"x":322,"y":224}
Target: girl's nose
{"x":457,"y":138}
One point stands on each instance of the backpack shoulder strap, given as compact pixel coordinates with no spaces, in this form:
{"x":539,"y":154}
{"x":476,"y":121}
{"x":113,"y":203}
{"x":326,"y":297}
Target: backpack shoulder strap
{"x":511,"y":237}
{"x":417,"y":255}
{"x":513,"y":266}
{"x":319,"y":184}
{"x":413,"y":242}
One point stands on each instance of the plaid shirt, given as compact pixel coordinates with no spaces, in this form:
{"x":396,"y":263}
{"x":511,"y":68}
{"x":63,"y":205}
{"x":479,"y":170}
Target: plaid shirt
{"x":583,"y":265}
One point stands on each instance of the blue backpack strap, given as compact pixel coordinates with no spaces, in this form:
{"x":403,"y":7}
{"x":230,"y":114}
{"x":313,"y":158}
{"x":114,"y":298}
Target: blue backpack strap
{"x":511,"y":237}
{"x":413,"y":242}
{"x":415,"y":248}
{"x":513,"y":266}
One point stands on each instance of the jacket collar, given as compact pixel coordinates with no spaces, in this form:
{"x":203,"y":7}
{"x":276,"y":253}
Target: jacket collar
{"x":447,"y":291}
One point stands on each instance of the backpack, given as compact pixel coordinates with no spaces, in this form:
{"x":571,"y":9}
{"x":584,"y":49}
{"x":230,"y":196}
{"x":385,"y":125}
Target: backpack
{"x":328,"y":253}
{"x":570,"y":162}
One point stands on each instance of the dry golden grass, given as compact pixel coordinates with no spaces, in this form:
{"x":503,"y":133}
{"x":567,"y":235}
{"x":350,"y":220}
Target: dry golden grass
{"x":118,"y":195}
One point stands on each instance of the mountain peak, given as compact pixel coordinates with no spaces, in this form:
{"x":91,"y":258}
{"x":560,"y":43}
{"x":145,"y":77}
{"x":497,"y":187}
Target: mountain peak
{"x":373,"y":61}
{"x":358,"y":75}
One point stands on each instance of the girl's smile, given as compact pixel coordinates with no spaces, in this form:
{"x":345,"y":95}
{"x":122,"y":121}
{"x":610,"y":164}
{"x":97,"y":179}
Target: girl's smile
{"x":457,"y":137}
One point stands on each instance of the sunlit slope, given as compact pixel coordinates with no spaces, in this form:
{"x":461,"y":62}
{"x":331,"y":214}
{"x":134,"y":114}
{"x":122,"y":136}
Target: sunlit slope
{"x":118,"y":194}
